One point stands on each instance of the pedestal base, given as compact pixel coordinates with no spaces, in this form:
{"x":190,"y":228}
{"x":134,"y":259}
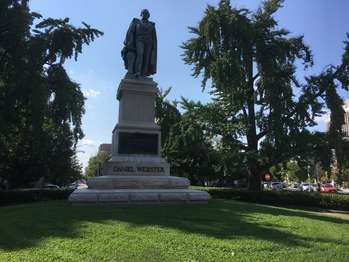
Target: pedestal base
{"x":130,"y":196}
{"x":138,"y":182}
{"x":136,"y":172}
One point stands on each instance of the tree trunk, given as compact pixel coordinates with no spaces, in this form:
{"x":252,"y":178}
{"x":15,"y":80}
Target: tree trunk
{"x":255,"y":179}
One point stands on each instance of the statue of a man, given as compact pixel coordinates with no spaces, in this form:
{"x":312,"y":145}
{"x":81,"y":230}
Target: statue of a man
{"x":140,"y":50}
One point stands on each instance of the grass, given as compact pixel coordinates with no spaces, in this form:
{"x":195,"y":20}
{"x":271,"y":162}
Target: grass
{"x":223,"y":230}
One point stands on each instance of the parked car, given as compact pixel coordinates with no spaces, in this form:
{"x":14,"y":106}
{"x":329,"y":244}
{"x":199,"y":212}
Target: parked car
{"x":314,"y":187}
{"x":343,"y":190}
{"x":277,"y":186}
{"x":77,"y":185}
{"x":265,"y":185}
{"x":3,"y":184}
{"x":73,"y":185}
{"x":305,"y":186}
{"x":328,"y":188}
{"x":50,"y":186}
{"x":274,"y":186}
{"x":295,"y":186}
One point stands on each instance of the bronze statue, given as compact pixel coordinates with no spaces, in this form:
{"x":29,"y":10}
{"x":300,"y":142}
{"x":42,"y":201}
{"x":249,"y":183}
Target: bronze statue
{"x":140,"y":50}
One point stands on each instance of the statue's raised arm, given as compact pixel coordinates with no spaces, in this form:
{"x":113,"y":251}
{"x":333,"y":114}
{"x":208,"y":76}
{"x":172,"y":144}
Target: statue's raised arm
{"x":140,"y":47}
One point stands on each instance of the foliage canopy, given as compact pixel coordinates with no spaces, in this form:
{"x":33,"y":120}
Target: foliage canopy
{"x":40,"y":106}
{"x":259,"y":104}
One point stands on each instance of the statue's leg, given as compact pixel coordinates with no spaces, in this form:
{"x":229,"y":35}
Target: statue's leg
{"x":139,"y":57}
{"x":146,"y":62}
{"x":131,"y":57}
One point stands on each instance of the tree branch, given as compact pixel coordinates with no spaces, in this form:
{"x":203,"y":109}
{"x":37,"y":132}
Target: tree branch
{"x":255,"y":77}
{"x":319,"y":93}
{"x":262,"y":134}
{"x":244,"y":111}
{"x":3,"y":57}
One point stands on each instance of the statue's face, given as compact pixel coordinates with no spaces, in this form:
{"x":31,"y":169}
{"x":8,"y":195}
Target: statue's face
{"x":145,"y":14}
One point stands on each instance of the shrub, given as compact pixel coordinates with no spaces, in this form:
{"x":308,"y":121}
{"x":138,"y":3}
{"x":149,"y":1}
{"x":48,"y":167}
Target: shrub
{"x":284,"y":198}
{"x":32,"y":195}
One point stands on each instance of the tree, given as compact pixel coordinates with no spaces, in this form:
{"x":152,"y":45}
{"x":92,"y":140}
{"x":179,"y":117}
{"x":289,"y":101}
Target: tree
{"x":251,"y":65}
{"x":40,"y":106}
{"x":166,"y":115}
{"x":184,"y":142}
{"x":95,"y":163}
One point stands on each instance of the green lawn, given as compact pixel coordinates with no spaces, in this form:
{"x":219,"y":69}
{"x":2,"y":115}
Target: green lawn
{"x":219,"y":231}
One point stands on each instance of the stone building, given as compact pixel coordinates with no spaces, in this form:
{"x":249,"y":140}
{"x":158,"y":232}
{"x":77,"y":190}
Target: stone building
{"x":346,"y":119}
{"x":105,"y":148}
{"x":345,"y":127}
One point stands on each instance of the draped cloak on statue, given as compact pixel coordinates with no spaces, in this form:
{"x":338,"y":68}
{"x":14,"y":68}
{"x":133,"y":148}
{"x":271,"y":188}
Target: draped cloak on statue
{"x":140,"y":41}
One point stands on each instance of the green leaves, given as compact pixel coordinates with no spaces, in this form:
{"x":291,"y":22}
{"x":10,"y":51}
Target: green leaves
{"x":67,"y":103}
{"x":264,"y":14}
{"x":40,"y":106}
{"x":185,"y":137}
{"x":64,"y":40}
{"x":95,"y":163}
{"x":251,"y":65}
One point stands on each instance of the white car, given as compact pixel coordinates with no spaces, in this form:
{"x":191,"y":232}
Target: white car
{"x":277,"y":186}
{"x":274,"y":186}
{"x":305,"y":187}
{"x":343,"y":190}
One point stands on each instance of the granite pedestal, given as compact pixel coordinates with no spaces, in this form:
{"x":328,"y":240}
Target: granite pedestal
{"x":136,"y":173}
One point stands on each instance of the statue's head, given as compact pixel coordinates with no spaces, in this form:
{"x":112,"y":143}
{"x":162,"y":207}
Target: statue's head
{"x":145,"y":14}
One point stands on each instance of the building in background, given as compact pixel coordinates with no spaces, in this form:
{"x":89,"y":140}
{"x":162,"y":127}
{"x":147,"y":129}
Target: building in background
{"x":346,"y":119}
{"x":105,"y":148}
{"x":345,"y":127}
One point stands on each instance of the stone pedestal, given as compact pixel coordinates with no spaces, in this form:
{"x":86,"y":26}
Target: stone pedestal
{"x":136,"y":172}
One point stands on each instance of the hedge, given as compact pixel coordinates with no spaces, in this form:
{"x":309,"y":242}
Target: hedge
{"x":284,"y":198}
{"x":31,"y":195}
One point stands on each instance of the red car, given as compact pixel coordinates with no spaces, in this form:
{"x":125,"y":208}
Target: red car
{"x":328,"y":188}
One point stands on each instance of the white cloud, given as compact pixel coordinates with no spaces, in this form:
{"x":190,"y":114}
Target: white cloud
{"x":323,"y":119}
{"x":91,"y":93}
{"x":86,"y":148}
{"x":84,"y":156}
{"x":71,"y":72}
{"x":346,"y":105}
{"x":87,"y":142}
{"x":326,"y":118}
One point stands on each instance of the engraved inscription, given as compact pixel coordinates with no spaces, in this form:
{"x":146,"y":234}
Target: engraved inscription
{"x":144,"y":169}
{"x":123,"y":169}
{"x":151,"y":169}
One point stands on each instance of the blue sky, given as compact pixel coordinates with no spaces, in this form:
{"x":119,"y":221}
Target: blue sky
{"x":99,"y":69}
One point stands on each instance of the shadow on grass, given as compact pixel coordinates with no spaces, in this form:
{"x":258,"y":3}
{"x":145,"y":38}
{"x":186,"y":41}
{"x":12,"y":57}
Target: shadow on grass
{"x":25,"y":226}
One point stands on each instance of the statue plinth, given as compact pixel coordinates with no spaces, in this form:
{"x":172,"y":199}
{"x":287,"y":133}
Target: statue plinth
{"x":136,"y":134}
{"x":136,"y":171}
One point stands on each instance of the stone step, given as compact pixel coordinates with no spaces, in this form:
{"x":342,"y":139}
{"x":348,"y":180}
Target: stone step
{"x":125,"y":196}
{"x":138,"y":182}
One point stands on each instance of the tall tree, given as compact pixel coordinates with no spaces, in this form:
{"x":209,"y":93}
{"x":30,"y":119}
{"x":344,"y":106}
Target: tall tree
{"x":166,"y":115}
{"x":95,"y":163}
{"x":40,"y":106}
{"x":251,"y":65}
{"x":185,"y":144}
